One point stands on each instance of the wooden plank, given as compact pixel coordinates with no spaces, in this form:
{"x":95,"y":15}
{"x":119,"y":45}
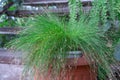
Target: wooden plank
{"x":33,"y":12}
{"x":9,"y":57}
{"x":50,"y":2}
{"x":64,"y":11}
{"x":9,"y":30}
{"x":1,"y":32}
{"x":34,"y":3}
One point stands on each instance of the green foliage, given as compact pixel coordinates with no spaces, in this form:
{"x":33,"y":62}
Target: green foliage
{"x":46,"y":39}
{"x":23,"y":22}
{"x":7,"y":23}
{"x":5,"y":39}
{"x":117,"y":9}
{"x":14,"y":22}
{"x":108,"y":20}
{"x":73,"y":11}
{"x":12,"y":8}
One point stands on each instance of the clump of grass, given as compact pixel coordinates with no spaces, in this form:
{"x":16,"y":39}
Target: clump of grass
{"x":48,"y":38}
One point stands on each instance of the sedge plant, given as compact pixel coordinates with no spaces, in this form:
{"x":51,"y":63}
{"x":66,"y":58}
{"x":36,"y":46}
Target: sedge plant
{"x":47,"y":39}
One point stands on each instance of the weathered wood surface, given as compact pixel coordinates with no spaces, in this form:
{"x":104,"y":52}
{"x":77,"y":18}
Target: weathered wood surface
{"x":61,"y":7}
{"x":54,"y":1}
{"x":9,"y":57}
{"x":12,"y":72}
{"x":9,"y":30}
{"x":63,"y":11}
{"x":57,"y":3}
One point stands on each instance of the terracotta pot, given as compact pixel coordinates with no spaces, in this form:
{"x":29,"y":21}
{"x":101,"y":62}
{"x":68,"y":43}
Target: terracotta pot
{"x":78,"y":69}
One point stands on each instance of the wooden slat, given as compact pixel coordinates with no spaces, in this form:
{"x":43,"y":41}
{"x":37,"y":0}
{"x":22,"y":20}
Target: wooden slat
{"x":50,"y":2}
{"x":60,"y":10}
{"x":9,"y":57}
{"x":63,"y":11}
{"x":32,"y":12}
{"x":45,"y":2}
{"x":9,"y":30}
{"x":3,"y":32}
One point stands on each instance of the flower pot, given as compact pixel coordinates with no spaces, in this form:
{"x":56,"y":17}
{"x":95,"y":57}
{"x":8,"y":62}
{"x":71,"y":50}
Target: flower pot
{"x":77,"y":68}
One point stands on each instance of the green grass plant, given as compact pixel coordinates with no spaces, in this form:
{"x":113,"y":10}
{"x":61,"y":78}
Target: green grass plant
{"x":48,"y":38}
